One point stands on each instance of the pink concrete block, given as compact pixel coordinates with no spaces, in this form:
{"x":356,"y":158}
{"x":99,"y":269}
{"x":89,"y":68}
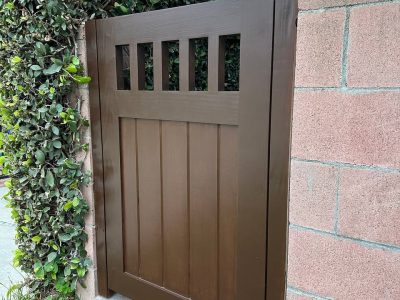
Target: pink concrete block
{"x":342,"y":269}
{"x":319,"y":49}
{"x":313,"y":195}
{"x":351,"y":128}
{"x":374,"y":52}
{"x":315,"y":4}
{"x":370,"y":206}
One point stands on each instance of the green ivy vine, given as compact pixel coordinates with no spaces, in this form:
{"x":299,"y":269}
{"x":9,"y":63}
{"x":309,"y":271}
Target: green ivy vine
{"x":40,"y":139}
{"x":41,"y":134}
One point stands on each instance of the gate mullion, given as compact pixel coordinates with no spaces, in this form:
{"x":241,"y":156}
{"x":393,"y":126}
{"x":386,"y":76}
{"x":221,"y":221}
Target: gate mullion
{"x":213,"y":60}
{"x":158,"y":66}
{"x":184,"y":65}
{"x":134,"y":66}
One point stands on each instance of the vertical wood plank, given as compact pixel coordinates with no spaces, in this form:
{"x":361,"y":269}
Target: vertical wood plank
{"x":150,"y":201}
{"x":97,"y":155}
{"x":228,"y":181}
{"x":213,"y":63}
{"x":158,"y":54}
{"x":137,"y":67}
{"x":203,"y":149}
{"x":221,"y":63}
{"x":129,"y":195}
{"x":254,"y":111}
{"x":184,"y":65}
{"x":281,"y":117}
{"x":192,"y":65}
{"x":175,"y":206}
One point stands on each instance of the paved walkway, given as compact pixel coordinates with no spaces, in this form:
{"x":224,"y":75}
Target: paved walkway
{"x":7,"y":247}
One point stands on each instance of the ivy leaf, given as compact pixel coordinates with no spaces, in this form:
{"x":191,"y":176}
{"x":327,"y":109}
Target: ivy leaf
{"x":64,"y":237}
{"x":9,"y":6}
{"x":57,"y":144}
{"x":50,"y":179}
{"x":40,"y":273}
{"x":49,"y":267}
{"x":53,"y":69}
{"x":59,"y":107}
{"x":40,"y":49}
{"x":82,"y":79}
{"x":71,"y":68}
{"x":40,"y":157}
{"x":75,"y":202}
{"x":37,"y":266}
{"x":16,"y":60}
{"x":8,"y":184}
{"x":123,"y":9}
{"x":81,"y":272}
{"x":67,"y":271}
{"x":52,"y":256}
{"x":75,"y":61}
{"x":68,"y":205}
{"x":36,"y":67}
{"x":76,"y":260}
{"x":36,"y":239}
{"x":55,"y":130}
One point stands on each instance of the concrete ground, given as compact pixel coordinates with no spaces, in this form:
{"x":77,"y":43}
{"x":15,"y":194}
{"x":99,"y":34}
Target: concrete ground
{"x":8,"y":274}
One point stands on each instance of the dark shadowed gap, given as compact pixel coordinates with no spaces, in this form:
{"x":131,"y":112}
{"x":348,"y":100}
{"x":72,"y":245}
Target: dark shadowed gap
{"x":145,"y":67}
{"x":123,"y":67}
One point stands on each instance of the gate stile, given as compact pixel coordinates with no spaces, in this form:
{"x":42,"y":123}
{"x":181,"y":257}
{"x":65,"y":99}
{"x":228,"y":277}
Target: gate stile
{"x":191,"y":186}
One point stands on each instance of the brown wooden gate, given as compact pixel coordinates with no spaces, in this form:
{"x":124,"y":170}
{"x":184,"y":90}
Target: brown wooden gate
{"x":191,"y":186}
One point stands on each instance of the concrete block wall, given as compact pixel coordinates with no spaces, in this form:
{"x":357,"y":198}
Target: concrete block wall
{"x":344,"y":240}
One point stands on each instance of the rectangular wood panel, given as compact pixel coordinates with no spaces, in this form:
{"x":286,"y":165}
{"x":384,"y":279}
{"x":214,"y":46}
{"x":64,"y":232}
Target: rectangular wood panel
{"x":129,"y":195}
{"x":203,"y":152}
{"x":228,"y":197}
{"x":150,"y":200}
{"x":175,"y":206}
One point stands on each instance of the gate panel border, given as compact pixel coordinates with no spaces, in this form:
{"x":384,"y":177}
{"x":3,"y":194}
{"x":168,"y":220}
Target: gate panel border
{"x":274,"y":135}
{"x":285,"y":33}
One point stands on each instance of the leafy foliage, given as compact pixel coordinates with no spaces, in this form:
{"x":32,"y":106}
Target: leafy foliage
{"x":41,"y":139}
{"x":232,"y":63}
{"x":123,"y":7}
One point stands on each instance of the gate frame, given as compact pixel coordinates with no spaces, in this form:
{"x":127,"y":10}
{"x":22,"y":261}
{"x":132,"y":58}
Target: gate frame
{"x":278,"y":170}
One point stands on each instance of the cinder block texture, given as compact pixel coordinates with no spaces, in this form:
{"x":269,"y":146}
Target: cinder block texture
{"x":313,"y":195}
{"x":342,"y":269}
{"x":319,"y":49}
{"x":352,"y":128}
{"x":374,"y":52}
{"x":370,"y":206}
{"x":315,"y":4}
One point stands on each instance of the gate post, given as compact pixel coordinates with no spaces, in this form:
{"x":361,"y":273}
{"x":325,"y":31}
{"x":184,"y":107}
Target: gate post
{"x":97,"y":154}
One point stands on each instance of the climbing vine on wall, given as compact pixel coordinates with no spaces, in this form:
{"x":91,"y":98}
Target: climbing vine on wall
{"x":40,"y":138}
{"x":41,"y":134}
